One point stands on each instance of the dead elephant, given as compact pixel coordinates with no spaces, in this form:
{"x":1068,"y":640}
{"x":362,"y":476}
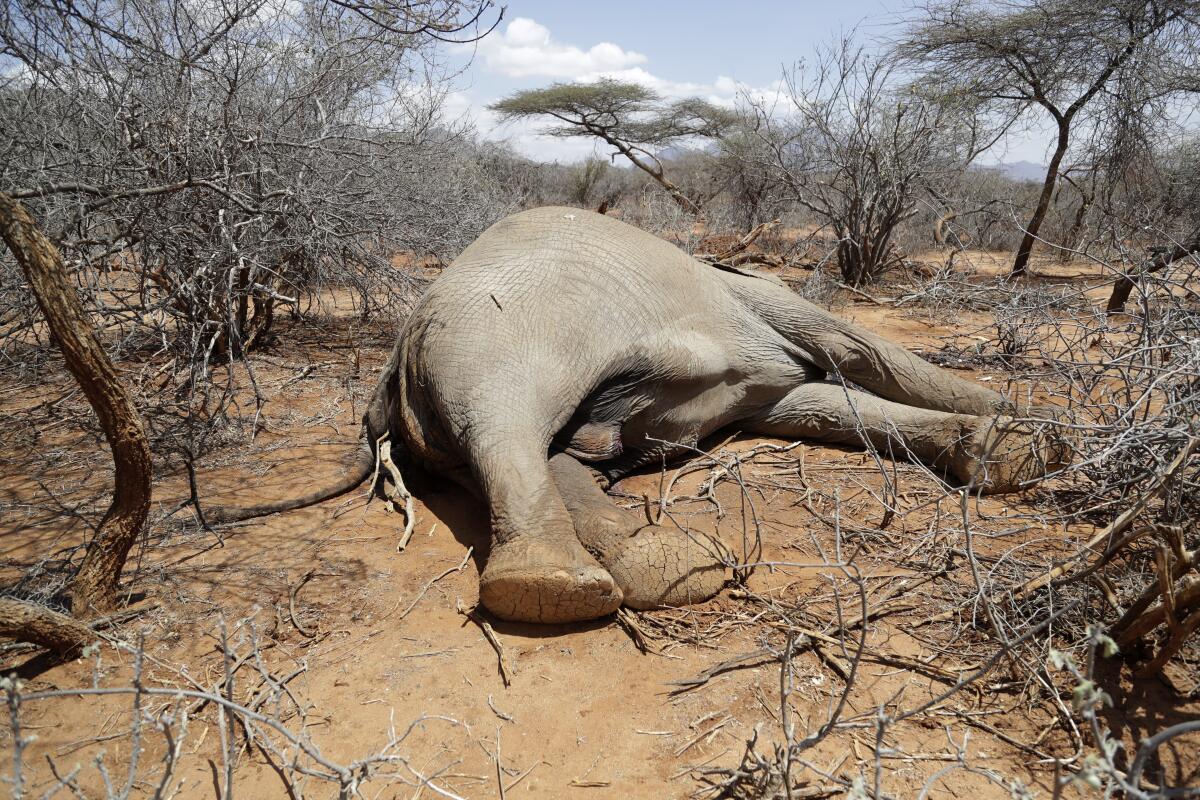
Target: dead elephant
{"x":562,"y":338}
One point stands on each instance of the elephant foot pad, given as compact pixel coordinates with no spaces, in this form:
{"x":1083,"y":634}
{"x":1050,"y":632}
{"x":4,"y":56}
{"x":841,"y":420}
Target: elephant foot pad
{"x":536,"y":582}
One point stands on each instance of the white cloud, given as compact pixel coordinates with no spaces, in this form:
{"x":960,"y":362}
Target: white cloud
{"x":723,"y":91}
{"x":526,"y":49}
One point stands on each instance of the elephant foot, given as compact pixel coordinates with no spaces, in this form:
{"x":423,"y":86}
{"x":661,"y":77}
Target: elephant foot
{"x":653,"y":565}
{"x":657,"y":566}
{"x":1005,"y":455}
{"x":528,"y":579}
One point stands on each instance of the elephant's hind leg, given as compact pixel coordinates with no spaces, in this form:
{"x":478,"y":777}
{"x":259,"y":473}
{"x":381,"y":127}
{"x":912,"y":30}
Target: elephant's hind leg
{"x":995,"y":454}
{"x":653,"y":565}
{"x":537,"y":571}
{"x":880,"y":366}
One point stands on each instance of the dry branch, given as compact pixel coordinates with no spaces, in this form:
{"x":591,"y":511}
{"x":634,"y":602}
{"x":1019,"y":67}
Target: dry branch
{"x":1108,"y":533}
{"x":39,"y":625}
{"x":742,"y":243}
{"x":506,"y":670}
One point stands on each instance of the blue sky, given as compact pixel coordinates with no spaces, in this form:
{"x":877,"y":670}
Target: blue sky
{"x":700,"y":47}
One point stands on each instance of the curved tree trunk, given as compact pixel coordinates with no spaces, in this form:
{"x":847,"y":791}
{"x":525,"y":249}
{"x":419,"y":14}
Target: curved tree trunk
{"x":94,"y":588}
{"x":939,"y":227}
{"x":1021,"y":263}
{"x":676,"y":194}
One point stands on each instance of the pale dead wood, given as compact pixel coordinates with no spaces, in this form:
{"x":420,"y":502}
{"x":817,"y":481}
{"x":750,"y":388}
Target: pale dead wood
{"x":506,"y":670}
{"x":39,"y":625}
{"x":745,"y":241}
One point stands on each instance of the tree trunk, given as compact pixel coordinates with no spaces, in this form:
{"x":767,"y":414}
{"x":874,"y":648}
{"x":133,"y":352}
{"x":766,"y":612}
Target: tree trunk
{"x":1124,"y":284}
{"x":1020,"y":265}
{"x":1074,"y":238}
{"x":94,"y":588}
{"x":681,"y":199}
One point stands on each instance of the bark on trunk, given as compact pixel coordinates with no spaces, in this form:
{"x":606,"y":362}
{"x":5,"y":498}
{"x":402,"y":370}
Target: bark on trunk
{"x":676,"y":194}
{"x":41,"y":626}
{"x":1021,"y":264}
{"x":94,"y":588}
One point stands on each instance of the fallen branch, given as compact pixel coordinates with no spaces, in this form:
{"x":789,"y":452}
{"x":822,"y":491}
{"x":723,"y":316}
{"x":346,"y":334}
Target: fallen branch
{"x":506,"y":671}
{"x":744,"y":242}
{"x":292,"y":605}
{"x":35,"y":624}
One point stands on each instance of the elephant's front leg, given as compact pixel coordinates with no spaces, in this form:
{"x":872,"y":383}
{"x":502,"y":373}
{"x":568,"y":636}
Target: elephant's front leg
{"x":995,"y":454}
{"x":537,"y":570}
{"x":653,"y":565}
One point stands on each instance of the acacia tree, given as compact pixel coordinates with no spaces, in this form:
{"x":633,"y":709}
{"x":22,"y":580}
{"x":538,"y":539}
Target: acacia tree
{"x":857,"y":150}
{"x":1057,"y":55}
{"x":634,"y":120}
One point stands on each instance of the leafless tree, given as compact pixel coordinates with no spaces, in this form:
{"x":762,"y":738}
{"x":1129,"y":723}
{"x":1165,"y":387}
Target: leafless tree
{"x":856,"y":150}
{"x":202,"y":165}
{"x":194,"y":166}
{"x":1163,"y":258}
{"x":1061,"y":56}
{"x":1157,"y":200}
{"x":752,"y":187}
{"x":975,"y":209}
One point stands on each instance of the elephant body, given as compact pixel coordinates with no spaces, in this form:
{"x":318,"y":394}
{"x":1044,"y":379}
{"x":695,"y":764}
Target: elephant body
{"x":563,"y":337}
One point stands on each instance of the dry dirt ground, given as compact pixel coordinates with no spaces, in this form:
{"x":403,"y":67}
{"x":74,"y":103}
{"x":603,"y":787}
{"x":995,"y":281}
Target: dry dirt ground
{"x":374,"y":647}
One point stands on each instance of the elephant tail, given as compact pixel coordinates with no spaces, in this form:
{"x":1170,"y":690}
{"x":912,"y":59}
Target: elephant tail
{"x":355,"y":472}
{"x":375,"y":458}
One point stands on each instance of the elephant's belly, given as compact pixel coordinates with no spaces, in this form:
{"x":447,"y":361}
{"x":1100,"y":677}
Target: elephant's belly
{"x":695,"y":385}
{"x":685,"y":414}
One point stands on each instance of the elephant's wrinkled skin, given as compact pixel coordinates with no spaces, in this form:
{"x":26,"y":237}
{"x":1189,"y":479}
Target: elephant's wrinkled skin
{"x":562,"y":336}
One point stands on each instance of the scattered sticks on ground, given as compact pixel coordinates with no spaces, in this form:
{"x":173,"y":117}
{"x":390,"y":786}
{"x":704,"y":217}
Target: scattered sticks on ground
{"x":844,"y":596}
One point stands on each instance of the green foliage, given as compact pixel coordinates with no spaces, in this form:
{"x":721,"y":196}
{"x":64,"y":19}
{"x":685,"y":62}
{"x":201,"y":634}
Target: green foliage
{"x":627,"y":116}
{"x":626,"y":111}
{"x":604,"y":103}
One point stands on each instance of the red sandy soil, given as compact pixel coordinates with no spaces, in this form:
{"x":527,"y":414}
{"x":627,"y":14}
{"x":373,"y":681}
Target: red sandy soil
{"x":587,"y":714}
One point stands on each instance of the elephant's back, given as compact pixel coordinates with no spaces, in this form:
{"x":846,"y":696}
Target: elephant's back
{"x":549,"y":303}
{"x":560,"y":274}
{"x":574,"y":253}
